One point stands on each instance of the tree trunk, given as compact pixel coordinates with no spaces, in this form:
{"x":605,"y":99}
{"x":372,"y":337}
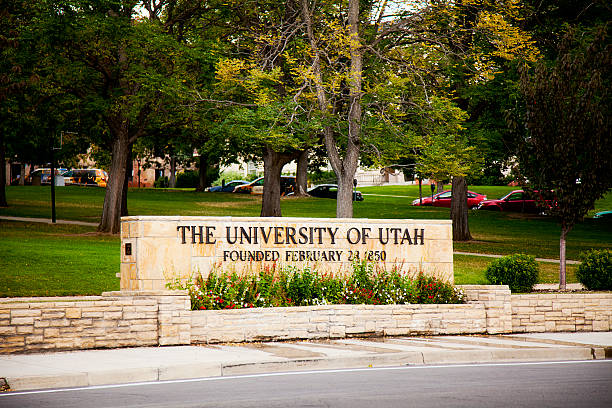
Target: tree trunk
{"x":439,"y":187}
{"x":172,"y":178}
{"x":343,"y":167}
{"x":202,"y":172}
{"x":3,"y":202}
{"x":301,"y":177}
{"x":564,"y":232}
{"x":124,"y":193}
{"x":344,"y":205}
{"x":273,"y":166}
{"x":111,"y":211}
{"x":22,"y":174}
{"x":459,"y":210}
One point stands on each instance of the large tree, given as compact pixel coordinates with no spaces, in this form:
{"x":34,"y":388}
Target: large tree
{"x":120,"y":66}
{"x":352,"y":43}
{"x":259,"y":85}
{"x":488,"y":40}
{"x":15,"y":77}
{"x":568,"y":147}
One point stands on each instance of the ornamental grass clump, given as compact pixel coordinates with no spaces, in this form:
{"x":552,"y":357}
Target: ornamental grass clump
{"x":291,"y":286}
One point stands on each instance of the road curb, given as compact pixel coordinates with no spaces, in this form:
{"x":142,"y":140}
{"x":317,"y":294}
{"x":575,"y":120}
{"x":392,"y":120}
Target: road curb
{"x":187,"y":371}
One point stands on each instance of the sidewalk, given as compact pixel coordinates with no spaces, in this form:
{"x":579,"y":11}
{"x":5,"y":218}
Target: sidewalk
{"x":118,"y":366}
{"x":48,"y":221}
{"x":568,"y":261}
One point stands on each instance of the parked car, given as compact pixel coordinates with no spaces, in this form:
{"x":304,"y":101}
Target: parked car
{"x":44,"y":174}
{"x":516,"y":201}
{"x":331,"y":191}
{"x":227,"y":187}
{"x":256,"y":186}
{"x":605,"y":215}
{"x":86,"y":177}
{"x":443,"y":199}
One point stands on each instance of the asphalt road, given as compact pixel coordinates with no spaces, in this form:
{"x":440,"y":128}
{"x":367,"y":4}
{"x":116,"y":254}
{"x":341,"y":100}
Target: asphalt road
{"x":561,"y":384}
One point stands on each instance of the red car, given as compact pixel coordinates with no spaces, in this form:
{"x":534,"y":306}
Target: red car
{"x":515,"y":201}
{"x":443,"y":199}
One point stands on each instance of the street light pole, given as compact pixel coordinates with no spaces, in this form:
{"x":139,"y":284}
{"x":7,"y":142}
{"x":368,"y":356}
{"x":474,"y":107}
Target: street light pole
{"x":53,"y":218}
{"x":53,"y":149}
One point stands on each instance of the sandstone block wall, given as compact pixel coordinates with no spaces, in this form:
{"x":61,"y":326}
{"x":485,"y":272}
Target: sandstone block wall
{"x":496,"y":301}
{"x":562,"y":312}
{"x":140,"y":318}
{"x":114,"y":319}
{"x":334,"y":321}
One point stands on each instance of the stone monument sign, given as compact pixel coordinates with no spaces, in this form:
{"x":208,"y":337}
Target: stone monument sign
{"x":156,"y":250}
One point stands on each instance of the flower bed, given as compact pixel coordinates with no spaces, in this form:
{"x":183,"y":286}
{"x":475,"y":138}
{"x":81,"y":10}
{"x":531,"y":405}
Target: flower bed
{"x":290,"y":286}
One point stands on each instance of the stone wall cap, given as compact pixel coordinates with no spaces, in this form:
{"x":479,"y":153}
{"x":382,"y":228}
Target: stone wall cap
{"x":40,"y":299}
{"x":282,"y":219}
{"x":484,"y":287}
{"x":146,"y":293}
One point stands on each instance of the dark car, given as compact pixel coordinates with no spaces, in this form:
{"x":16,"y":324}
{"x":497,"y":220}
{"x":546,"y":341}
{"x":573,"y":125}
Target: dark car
{"x":256,"y":186}
{"x":443,"y":199}
{"x":517,"y":201}
{"x":331,"y":191}
{"x":228,"y":187}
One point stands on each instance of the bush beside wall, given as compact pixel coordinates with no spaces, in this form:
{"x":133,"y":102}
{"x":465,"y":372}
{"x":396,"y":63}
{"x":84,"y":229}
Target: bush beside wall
{"x":595,"y":270}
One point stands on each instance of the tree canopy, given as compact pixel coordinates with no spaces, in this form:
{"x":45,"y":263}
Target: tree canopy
{"x":567,"y":152}
{"x":382,"y":82}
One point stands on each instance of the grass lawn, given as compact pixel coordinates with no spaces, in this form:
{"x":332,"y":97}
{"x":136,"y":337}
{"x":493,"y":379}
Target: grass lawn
{"x":40,"y":259}
{"x":56,"y":260}
{"x":470,"y":270}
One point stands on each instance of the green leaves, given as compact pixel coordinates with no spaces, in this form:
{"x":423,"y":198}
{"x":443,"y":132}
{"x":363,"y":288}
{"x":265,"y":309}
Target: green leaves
{"x":568,"y":146}
{"x":293,"y":286}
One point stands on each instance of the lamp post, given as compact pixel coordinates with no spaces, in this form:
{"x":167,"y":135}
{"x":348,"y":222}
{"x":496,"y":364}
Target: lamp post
{"x":53,"y":149}
{"x":53,"y":217}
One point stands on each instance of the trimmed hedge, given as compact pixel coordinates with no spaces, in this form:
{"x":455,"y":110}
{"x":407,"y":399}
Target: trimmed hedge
{"x":595,"y":271}
{"x":519,"y":271}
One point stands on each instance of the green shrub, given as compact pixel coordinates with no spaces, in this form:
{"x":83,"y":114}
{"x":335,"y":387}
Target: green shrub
{"x":191,"y":178}
{"x":229,"y":176}
{"x":519,"y":271}
{"x":322,"y":176}
{"x":595,"y":271}
{"x":188,"y":179}
{"x":161,"y":182}
{"x":290,"y":286}
{"x":432,"y":290}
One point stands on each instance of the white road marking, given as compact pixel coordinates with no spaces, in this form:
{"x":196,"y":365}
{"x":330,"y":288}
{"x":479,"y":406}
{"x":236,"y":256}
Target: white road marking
{"x":290,"y":373}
